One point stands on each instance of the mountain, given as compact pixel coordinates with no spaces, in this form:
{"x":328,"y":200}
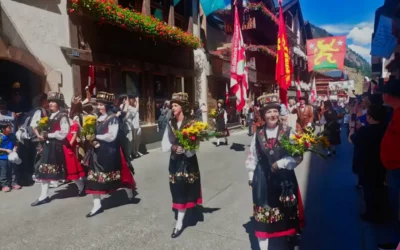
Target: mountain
{"x":352,"y":60}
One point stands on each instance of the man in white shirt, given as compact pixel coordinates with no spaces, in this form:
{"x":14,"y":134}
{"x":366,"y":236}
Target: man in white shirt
{"x":136,"y":130}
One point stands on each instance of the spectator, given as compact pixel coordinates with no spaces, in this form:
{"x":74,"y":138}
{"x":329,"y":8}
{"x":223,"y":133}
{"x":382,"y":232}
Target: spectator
{"x":8,"y":173}
{"x":371,"y":172}
{"x":390,"y":155}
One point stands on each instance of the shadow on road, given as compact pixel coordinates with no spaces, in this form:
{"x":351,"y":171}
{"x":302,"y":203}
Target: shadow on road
{"x":195,"y":215}
{"x":238,"y":147}
{"x":119,"y":198}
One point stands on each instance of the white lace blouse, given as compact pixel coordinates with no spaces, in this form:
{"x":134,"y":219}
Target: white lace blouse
{"x":252,"y":157}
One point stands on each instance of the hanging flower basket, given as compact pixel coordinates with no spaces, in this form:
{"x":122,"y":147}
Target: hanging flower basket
{"x":106,"y":11}
{"x":262,"y":49}
{"x":261,"y":7}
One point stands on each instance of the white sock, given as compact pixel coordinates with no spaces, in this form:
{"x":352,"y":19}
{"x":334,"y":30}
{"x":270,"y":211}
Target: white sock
{"x":45,"y":190}
{"x":179,"y":221}
{"x":129,"y":192}
{"x":263,"y":244}
{"x":96,"y":203}
{"x":217,"y":141}
{"x":79,"y":184}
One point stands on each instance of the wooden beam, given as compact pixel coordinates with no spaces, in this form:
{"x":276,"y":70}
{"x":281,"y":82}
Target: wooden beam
{"x":190,"y":25}
{"x":171,"y":16}
{"x":146,"y":7}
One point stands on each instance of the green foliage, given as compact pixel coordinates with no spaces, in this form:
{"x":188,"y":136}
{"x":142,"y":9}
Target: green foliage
{"x":106,"y":11}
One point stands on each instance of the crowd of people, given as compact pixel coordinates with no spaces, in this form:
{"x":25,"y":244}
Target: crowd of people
{"x":103,"y":164}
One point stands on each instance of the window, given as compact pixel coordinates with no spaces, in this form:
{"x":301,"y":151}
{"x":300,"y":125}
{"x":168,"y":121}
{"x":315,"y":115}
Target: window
{"x":131,"y":4}
{"x":157,"y":9}
{"x":289,"y":20}
{"x":100,"y":75}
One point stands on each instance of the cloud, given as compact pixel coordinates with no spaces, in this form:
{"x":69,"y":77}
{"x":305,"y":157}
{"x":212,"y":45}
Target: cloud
{"x":362,"y":51}
{"x":337,"y":29}
{"x":361,"y":35}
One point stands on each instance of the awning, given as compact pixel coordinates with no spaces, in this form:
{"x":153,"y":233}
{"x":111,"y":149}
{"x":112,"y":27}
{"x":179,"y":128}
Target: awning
{"x":299,"y":52}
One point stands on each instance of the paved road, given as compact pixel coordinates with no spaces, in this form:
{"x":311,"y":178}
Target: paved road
{"x":331,"y":201}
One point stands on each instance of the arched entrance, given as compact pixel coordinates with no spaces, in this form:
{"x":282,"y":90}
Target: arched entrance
{"x":33,"y":76}
{"x":19,"y":85}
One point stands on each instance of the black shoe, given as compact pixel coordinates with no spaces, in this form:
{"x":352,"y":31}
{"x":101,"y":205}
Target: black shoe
{"x":38,"y":202}
{"x":176,"y":233}
{"x":99,"y":211}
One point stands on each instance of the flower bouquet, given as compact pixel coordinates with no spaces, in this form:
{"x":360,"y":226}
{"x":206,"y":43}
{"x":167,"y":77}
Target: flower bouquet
{"x":42,"y":124}
{"x":298,"y":144}
{"x":213,"y":113}
{"x":89,"y":127}
{"x":192,"y":134}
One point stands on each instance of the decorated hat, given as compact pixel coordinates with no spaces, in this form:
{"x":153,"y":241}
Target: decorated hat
{"x":105,"y":97}
{"x":269,"y":101}
{"x":55,"y":96}
{"x":5,"y":123}
{"x":180,"y":98}
{"x":221,"y":101}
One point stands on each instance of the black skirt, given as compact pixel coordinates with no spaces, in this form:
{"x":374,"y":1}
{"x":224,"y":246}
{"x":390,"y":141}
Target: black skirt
{"x":104,"y":174}
{"x":52,"y":166}
{"x":184,"y":181}
{"x":272,"y":218}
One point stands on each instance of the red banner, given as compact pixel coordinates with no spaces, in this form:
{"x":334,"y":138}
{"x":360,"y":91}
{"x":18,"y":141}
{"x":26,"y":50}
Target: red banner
{"x":284,"y":68}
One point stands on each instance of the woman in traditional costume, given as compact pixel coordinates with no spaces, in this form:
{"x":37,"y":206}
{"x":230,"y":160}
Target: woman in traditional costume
{"x":276,"y":198}
{"x":185,"y":191}
{"x":330,"y":120}
{"x":220,"y":122}
{"x":108,"y":170}
{"x":56,"y":163}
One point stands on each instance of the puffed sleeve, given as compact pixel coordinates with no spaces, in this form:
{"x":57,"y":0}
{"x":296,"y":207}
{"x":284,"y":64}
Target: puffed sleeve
{"x":252,"y":158}
{"x":225,"y":117}
{"x":63,"y":132}
{"x":35,"y":118}
{"x":112,"y":133}
{"x":166,"y":143}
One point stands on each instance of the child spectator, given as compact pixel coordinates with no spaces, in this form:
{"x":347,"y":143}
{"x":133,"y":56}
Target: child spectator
{"x":8,"y":175}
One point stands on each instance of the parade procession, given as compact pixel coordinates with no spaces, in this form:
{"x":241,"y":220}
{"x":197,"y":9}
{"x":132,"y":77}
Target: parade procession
{"x":200,"y":124}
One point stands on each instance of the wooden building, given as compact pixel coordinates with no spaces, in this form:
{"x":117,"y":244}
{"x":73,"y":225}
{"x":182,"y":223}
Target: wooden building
{"x":126,"y":61}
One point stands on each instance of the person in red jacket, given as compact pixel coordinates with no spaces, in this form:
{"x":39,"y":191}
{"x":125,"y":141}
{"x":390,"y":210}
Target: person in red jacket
{"x":390,"y":153}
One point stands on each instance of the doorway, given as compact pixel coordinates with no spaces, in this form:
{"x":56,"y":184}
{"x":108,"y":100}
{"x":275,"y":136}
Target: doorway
{"x":18,"y":86}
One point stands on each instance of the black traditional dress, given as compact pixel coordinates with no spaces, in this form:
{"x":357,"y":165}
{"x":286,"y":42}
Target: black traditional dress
{"x":220,"y":123}
{"x":277,"y":206}
{"x":332,"y":127}
{"x":184,"y":174}
{"x":108,"y":169}
{"x":53,"y":165}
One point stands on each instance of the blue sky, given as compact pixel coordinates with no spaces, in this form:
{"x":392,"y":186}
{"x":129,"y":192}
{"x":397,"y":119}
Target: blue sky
{"x":353,"y":18}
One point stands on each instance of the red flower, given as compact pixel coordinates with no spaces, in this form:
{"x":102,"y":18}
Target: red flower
{"x":193,"y":138}
{"x":307,"y":144}
{"x":298,"y":136}
{"x":71,"y":10}
{"x":185,"y":133}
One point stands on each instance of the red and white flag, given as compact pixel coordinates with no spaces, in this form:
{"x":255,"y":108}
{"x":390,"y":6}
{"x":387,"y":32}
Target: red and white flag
{"x":239,"y":71}
{"x":313,"y":92}
{"x":298,"y":88}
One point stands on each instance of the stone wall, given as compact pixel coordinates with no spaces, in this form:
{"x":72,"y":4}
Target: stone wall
{"x":38,"y":29}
